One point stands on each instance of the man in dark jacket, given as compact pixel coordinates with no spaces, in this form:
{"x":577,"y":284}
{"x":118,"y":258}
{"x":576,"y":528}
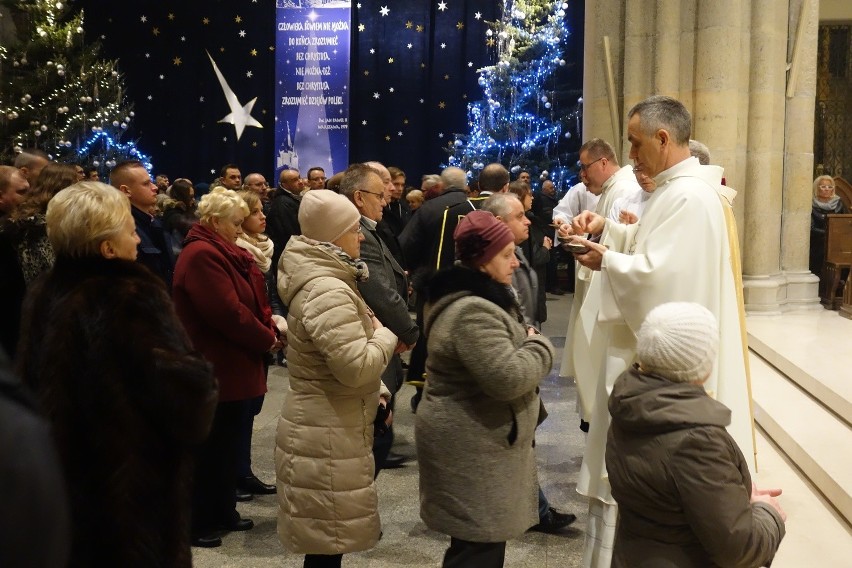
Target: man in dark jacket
{"x":385,"y":291}
{"x":155,"y":247}
{"x":283,"y":219}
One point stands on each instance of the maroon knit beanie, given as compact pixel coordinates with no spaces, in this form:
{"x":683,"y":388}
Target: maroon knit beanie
{"x":479,"y":237}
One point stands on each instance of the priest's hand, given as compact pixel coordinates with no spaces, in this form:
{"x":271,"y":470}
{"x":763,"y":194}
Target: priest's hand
{"x":593,"y":257}
{"x":588,"y":222}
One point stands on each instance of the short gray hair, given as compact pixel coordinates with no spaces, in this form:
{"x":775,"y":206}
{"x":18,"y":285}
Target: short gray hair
{"x":454,"y":177}
{"x":500,"y":204}
{"x":431,"y":180}
{"x":660,"y":112}
{"x":700,"y":151}
{"x":355,"y":178}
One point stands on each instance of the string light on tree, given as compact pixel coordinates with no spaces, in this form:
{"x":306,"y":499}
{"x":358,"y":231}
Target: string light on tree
{"x":56,"y":94}
{"x":524,"y":119}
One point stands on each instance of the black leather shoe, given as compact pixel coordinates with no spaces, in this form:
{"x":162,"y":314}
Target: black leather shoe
{"x":253,"y":485}
{"x":556,"y":291}
{"x":394,"y":461}
{"x":553,"y":521}
{"x":240,"y":524}
{"x":207,"y":541}
{"x":242,"y":495}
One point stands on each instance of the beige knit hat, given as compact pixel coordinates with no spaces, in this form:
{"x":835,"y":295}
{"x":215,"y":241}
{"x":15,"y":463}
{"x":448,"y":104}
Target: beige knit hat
{"x":325,"y":216}
{"x":678,"y":341}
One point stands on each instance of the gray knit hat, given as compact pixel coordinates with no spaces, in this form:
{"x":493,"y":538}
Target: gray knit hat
{"x":325,"y":216}
{"x":678,"y":341}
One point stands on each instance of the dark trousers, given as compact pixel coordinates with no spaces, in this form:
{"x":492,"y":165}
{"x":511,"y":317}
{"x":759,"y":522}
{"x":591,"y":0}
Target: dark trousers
{"x":251,"y":408}
{"x":382,"y":443}
{"x":213,"y":500}
{"x":323,"y":560}
{"x":466,"y":554}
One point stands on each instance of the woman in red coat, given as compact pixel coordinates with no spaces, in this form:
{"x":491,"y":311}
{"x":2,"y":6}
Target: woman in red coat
{"x":221,"y":300}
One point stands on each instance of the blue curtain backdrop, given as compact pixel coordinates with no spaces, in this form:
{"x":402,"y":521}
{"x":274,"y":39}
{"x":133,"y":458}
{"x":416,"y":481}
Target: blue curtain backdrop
{"x":413,"y":72}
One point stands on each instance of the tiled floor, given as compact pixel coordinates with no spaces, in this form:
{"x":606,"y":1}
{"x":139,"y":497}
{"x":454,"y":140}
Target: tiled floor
{"x":406,"y":540}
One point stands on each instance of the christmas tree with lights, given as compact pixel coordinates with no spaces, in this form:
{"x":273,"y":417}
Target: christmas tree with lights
{"x":56,"y":94}
{"x":525,"y":118}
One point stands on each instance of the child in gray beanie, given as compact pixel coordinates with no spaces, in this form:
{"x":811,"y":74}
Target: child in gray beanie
{"x":684,"y":492}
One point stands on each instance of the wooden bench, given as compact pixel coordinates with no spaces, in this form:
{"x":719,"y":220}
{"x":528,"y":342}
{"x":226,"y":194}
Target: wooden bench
{"x":838,"y":257}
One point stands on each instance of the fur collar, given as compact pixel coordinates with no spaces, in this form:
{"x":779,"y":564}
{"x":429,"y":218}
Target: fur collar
{"x":462,"y":279}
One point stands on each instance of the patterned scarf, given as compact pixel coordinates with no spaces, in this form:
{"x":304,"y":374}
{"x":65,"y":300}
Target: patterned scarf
{"x":362,"y":273}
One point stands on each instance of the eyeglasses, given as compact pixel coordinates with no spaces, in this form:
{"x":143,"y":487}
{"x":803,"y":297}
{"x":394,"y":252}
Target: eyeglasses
{"x":357,"y":230}
{"x":585,"y":167}
{"x":379,"y":195}
{"x":821,"y":186}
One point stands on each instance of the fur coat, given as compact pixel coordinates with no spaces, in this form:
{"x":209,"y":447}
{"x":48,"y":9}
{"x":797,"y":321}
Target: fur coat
{"x":127,"y":398}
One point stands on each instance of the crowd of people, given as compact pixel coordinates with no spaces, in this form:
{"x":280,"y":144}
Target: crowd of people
{"x":143,"y":317}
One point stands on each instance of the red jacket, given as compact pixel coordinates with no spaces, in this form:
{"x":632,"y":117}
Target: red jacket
{"x":220,"y":298}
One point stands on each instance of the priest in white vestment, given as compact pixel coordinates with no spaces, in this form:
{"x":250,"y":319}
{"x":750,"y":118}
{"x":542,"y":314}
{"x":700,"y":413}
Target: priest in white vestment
{"x":678,"y":251}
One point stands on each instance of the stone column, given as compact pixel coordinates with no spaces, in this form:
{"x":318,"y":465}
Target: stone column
{"x":802,"y":286}
{"x":719,"y":103}
{"x":763,"y":281}
{"x":603,"y":18}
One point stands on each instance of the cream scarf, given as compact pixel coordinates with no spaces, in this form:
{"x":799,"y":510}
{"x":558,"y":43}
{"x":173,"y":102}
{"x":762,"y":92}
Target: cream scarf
{"x":260,"y":247}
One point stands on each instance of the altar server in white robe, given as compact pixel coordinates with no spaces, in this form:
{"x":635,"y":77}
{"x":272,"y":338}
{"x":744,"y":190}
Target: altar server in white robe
{"x":605,"y":178}
{"x":678,"y":251}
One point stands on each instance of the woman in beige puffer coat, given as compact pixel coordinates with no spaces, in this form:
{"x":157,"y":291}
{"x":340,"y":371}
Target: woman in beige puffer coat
{"x":337,"y":351}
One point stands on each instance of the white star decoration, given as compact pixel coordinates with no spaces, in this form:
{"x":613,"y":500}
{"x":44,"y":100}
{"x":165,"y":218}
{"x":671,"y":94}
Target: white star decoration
{"x":410,"y":46}
{"x":422,"y":101}
{"x":143,"y":19}
{"x":443,"y":46}
{"x":201,"y":99}
{"x":470,"y":63}
{"x":360,"y":27}
{"x":242,"y":33}
{"x":384,"y":11}
{"x":147,"y":56}
{"x":372,"y":51}
{"x":363,"y":123}
{"x":399,"y":133}
{"x":240,"y":115}
{"x":163,"y":142}
{"x":150,"y":98}
{"x":376,"y":95}
{"x":478,"y":15}
{"x":442,"y":6}
{"x":248,"y":74}
{"x":390,"y":90}
{"x":440,"y":135}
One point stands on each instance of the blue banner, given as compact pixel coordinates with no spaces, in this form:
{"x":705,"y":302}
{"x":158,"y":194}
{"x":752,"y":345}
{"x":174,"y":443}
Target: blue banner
{"x":312,"y":85}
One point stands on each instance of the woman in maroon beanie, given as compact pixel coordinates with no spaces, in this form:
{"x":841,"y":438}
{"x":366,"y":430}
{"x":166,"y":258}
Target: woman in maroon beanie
{"x":220,"y":298}
{"x":475,"y":427}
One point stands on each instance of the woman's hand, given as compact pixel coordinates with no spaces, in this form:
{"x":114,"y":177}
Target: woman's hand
{"x":548,"y":243}
{"x":377,"y":325}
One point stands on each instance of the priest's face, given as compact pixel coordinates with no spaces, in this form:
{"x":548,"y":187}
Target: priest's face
{"x":646,"y":151}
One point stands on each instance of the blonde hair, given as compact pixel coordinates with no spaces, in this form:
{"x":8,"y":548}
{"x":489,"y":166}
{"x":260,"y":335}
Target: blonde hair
{"x":416,"y":195}
{"x":251,"y":198}
{"x":819,"y":179}
{"x":220,"y":203}
{"x":82,"y":216}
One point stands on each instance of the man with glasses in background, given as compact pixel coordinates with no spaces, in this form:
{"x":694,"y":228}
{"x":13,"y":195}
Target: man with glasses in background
{"x":316,"y":178}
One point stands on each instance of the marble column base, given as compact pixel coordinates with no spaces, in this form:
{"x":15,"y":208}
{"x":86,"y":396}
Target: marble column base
{"x":782,"y":292}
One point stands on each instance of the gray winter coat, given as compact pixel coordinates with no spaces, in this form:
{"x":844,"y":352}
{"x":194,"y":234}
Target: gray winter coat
{"x":475,"y":426}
